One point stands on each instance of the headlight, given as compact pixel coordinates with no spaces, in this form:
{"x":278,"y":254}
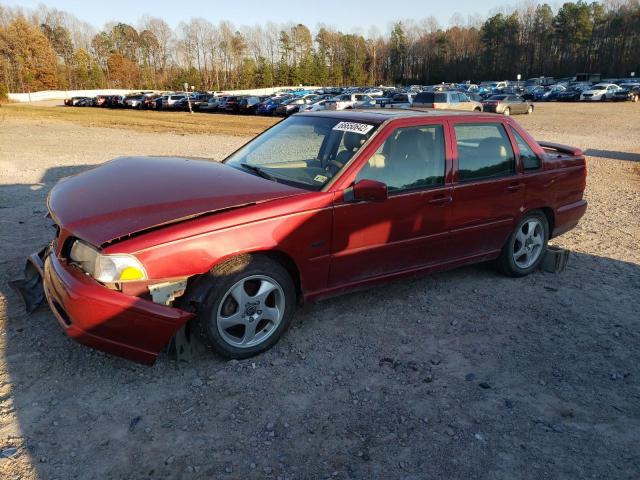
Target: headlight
{"x":107,"y":268}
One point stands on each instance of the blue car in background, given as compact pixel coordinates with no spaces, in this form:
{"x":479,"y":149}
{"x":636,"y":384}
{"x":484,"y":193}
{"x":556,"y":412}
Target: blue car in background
{"x":534,"y":94}
{"x":269,"y":107}
{"x":552,"y":94}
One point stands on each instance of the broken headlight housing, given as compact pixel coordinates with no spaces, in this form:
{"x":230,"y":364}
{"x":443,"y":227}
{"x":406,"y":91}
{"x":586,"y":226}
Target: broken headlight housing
{"x":114,"y":268}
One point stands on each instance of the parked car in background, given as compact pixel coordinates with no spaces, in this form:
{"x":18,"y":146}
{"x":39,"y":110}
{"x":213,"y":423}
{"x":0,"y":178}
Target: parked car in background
{"x":116,"y":101}
{"x":534,"y":93}
{"x":374,"y":92}
{"x":248,"y":105}
{"x":628,"y":92}
{"x":160,"y":101}
{"x":600,"y":92}
{"x":493,"y":86}
{"x":446,"y":100}
{"x":315,"y":106}
{"x":98,"y":101}
{"x":199,"y":100}
{"x":134,"y":101}
{"x":268,"y":107}
{"x":171,"y":101}
{"x":149,"y":100}
{"x":230,"y":249}
{"x":400,"y":100}
{"x":222,"y":103}
{"x":231,"y":104}
{"x":215,"y":104}
{"x":292,"y":105}
{"x":571,"y":94}
{"x":78,"y":101}
{"x":552,"y":93}
{"x":507,"y":105}
{"x":349,"y":101}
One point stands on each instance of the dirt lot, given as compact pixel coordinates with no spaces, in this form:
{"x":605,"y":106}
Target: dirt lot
{"x":461,"y":375}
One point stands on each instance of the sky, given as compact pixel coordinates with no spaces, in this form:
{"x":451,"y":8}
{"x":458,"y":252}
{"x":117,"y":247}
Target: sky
{"x":348,"y":15}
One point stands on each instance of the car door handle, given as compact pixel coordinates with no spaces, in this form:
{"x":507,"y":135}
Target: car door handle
{"x":441,"y":200}
{"x":514,"y":187}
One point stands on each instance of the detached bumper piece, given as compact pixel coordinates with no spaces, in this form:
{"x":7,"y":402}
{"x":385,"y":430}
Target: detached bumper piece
{"x":101,"y":318}
{"x":30,"y":287}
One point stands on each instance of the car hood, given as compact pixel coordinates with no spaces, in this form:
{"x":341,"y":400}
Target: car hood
{"x":132,"y":194}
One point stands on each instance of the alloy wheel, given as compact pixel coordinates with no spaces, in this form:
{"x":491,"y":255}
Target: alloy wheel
{"x":528,"y":243}
{"x":250,"y":311}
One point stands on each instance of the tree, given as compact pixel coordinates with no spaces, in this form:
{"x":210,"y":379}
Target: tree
{"x":125,"y":73}
{"x":29,"y":59}
{"x":398,"y":53}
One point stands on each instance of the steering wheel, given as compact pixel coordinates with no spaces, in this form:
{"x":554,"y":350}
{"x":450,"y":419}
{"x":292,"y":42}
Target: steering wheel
{"x":333,"y":166}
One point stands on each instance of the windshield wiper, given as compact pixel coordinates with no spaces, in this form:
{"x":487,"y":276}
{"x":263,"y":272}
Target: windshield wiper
{"x":259,"y":171}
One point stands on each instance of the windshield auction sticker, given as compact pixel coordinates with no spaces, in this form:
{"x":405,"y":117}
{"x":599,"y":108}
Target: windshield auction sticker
{"x":361,"y":128}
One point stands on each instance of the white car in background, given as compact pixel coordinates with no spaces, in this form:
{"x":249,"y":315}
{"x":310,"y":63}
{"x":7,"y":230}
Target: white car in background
{"x":374,"y":92}
{"x":170,"y":100}
{"x":599,"y":92}
{"x":313,"y":107}
{"x":349,"y":101}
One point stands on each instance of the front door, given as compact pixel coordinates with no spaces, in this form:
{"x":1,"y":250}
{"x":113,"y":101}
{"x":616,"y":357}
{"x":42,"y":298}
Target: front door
{"x":407,"y":230}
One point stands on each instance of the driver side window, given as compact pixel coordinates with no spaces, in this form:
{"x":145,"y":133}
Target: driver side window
{"x":410,"y":158}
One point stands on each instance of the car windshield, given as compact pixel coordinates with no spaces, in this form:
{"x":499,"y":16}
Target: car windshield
{"x":304,"y":151}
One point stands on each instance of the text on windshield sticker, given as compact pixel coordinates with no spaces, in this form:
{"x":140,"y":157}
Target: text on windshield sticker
{"x":361,"y":128}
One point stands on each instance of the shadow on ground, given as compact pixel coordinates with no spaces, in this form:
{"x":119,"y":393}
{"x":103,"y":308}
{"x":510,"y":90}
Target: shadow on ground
{"x":627,"y":156}
{"x":465,"y":374}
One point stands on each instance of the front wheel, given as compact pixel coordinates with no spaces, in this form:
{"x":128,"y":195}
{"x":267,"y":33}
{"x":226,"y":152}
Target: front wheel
{"x":526,"y":246}
{"x":249,"y":306}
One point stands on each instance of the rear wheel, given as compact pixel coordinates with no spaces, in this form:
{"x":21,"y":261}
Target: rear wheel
{"x":248,"y":307}
{"x":507,"y":112}
{"x":526,"y":245}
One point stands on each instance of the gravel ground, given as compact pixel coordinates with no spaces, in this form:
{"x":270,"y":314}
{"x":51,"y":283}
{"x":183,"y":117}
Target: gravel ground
{"x":460,"y":375}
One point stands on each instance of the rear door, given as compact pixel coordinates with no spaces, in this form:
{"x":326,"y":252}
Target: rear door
{"x":488,"y":194}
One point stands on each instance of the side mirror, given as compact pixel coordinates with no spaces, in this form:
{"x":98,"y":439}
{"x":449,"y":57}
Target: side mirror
{"x":368,"y":191}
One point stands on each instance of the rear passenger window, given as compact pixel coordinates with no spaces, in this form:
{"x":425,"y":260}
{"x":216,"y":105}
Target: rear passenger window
{"x":411,"y":158}
{"x":529,"y":158}
{"x":484,"y":151}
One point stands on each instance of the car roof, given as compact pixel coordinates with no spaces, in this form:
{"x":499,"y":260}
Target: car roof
{"x":381,"y":115}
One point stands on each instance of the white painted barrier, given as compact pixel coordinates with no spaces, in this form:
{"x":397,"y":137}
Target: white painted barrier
{"x":62,"y":94}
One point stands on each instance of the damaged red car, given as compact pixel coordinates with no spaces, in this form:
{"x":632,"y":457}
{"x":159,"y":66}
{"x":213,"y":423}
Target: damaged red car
{"x":317,"y":205}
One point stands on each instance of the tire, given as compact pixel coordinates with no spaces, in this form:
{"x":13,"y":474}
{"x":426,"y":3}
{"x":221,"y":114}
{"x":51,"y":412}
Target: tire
{"x":225,"y":326}
{"x":507,"y":112}
{"x":603,"y":98}
{"x":530,"y":110}
{"x":531,"y":243}
{"x":477,"y":110}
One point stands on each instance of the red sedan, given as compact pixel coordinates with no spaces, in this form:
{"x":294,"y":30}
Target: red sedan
{"x":317,"y":205}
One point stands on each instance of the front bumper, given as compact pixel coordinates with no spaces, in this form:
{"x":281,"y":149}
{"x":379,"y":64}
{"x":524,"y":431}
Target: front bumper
{"x":104,"y":319}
